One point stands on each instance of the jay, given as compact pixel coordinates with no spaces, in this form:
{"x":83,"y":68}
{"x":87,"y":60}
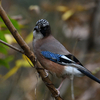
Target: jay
{"x":53,"y":56}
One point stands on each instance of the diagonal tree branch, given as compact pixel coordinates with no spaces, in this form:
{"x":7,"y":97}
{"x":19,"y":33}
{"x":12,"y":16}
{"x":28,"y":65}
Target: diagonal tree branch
{"x":9,"y":45}
{"x":29,"y":54}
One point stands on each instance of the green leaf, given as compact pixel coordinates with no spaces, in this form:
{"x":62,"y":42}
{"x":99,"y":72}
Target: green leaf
{"x":6,"y":31}
{"x":3,"y":49}
{"x":15,"y":23}
{"x":2,"y":37}
{"x":4,"y":63}
{"x":10,"y":58}
{"x":1,"y":19}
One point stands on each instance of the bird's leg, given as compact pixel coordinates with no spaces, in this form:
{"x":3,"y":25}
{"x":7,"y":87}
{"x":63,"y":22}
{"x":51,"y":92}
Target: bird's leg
{"x":61,"y":84}
{"x":72,"y":88}
{"x":58,"y":89}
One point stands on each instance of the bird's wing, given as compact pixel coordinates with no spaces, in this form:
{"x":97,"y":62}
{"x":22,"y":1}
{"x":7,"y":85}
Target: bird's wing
{"x":53,"y":50}
{"x":60,"y":59}
{"x":56,"y":52}
{"x":68,"y":60}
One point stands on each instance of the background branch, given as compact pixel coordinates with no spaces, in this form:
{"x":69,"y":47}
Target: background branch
{"x":29,"y":53}
{"x":9,"y":45}
{"x":94,"y":27}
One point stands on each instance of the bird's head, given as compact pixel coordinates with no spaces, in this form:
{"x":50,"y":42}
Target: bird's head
{"x":42,"y":29}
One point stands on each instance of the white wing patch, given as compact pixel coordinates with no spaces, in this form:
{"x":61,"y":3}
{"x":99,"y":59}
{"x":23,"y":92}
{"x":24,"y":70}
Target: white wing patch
{"x":64,"y":57}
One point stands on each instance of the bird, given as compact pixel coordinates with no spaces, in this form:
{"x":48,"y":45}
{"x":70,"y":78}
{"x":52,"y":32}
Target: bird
{"x":53,"y":56}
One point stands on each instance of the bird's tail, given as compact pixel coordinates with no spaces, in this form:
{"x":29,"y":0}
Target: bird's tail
{"x":89,"y":75}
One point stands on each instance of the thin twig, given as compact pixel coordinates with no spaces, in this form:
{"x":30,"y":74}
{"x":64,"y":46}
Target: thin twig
{"x":9,"y":45}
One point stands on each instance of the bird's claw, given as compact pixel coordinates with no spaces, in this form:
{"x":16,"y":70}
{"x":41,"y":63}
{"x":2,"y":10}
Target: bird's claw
{"x":58,"y":92}
{"x":46,"y":71}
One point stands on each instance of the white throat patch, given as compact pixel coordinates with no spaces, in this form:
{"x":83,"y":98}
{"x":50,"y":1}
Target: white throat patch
{"x":37,"y":35}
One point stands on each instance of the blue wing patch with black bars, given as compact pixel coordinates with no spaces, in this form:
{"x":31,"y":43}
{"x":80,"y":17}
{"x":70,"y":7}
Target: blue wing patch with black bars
{"x":58,"y":58}
{"x":51,"y":56}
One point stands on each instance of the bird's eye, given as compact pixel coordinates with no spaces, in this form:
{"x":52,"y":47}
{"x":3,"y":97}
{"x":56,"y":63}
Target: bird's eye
{"x":43,"y":28}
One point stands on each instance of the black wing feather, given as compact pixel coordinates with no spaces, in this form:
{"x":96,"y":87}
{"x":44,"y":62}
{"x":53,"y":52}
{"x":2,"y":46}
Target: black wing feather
{"x":74,"y":59}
